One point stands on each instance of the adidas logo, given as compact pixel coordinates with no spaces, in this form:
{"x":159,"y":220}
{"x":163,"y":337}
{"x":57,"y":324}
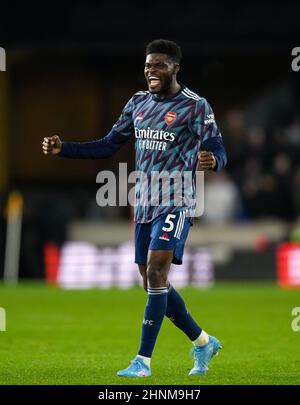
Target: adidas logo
{"x":165,"y":236}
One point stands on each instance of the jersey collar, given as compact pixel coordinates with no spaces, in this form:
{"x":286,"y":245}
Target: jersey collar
{"x":165,"y":100}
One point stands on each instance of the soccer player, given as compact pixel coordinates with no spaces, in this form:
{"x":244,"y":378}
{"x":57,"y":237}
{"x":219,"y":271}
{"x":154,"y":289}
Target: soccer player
{"x":175,"y":130}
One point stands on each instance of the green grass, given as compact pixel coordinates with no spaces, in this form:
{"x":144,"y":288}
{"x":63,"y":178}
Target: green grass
{"x":84,"y":337}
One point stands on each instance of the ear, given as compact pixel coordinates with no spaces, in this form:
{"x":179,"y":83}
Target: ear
{"x":176,"y":68}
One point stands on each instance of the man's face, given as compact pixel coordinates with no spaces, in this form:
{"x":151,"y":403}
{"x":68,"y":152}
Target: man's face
{"x":159,"y":72}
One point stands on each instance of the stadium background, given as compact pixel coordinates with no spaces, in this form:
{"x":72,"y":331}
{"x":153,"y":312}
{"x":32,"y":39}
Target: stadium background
{"x":70,"y":71}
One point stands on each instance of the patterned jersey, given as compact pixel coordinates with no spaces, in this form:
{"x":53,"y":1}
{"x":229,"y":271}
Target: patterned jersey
{"x":168,"y":134}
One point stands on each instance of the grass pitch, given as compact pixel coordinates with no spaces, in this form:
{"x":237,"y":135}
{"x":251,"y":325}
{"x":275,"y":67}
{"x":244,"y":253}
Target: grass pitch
{"x":84,"y":337}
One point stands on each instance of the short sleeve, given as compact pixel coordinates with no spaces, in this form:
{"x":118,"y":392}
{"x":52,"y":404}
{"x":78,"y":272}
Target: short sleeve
{"x":203,"y":121}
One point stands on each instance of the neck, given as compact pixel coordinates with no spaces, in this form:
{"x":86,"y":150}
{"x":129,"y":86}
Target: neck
{"x":170,"y":91}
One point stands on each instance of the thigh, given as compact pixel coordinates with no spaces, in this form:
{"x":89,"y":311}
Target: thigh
{"x":159,"y":262}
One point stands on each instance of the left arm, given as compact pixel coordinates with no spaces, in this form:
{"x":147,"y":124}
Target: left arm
{"x":212,"y":154}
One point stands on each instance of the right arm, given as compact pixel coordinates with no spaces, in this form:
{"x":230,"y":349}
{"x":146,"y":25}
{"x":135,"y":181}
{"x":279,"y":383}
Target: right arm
{"x":100,"y":148}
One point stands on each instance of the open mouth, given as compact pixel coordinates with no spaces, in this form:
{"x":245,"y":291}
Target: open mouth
{"x":153,"y":81}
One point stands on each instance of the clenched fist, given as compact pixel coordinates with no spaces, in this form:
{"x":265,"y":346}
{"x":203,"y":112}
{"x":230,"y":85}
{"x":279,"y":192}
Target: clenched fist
{"x":51,"y":145}
{"x":207,"y":160}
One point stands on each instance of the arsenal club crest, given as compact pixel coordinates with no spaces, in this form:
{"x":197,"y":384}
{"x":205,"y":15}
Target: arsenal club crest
{"x":170,"y":117}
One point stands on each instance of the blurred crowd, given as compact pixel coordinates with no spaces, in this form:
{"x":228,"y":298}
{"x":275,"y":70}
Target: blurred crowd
{"x":262,"y":179}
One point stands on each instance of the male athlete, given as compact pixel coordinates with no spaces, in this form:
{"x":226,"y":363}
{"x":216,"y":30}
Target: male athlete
{"x":175,"y":130}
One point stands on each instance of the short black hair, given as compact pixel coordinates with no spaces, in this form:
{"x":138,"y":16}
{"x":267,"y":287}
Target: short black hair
{"x":165,"y":46}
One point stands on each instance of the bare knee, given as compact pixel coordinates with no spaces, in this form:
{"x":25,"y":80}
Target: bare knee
{"x":157,"y":277}
{"x":158,"y":268}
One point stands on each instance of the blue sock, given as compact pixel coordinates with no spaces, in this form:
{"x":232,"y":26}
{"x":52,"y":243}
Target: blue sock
{"x":154,"y":314}
{"x":179,"y":315}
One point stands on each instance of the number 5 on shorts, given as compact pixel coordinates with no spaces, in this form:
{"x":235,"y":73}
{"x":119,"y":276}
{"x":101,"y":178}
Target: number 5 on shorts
{"x":169,"y":222}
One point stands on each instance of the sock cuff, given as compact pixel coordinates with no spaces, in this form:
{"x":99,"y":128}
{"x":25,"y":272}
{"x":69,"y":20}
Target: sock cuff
{"x":158,"y":291}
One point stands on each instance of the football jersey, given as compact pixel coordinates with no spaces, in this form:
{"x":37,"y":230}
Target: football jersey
{"x":168,"y":135}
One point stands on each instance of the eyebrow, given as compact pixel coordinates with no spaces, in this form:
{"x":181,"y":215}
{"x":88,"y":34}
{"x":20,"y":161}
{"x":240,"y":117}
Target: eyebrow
{"x":155,"y":63}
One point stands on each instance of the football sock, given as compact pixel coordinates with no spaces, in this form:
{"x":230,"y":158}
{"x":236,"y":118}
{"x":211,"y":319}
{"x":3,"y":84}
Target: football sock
{"x":179,"y":315}
{"x":146,"y":360}
{"x":154,"y":314}
{"x":202,"y":340}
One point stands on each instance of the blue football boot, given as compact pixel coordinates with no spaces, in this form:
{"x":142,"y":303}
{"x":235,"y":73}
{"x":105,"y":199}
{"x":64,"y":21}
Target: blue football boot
{"x":203,"y":355}
{"x":137,"y":368}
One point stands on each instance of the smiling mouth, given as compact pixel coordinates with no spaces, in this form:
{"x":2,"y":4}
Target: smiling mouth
{"x":153,"y":81}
